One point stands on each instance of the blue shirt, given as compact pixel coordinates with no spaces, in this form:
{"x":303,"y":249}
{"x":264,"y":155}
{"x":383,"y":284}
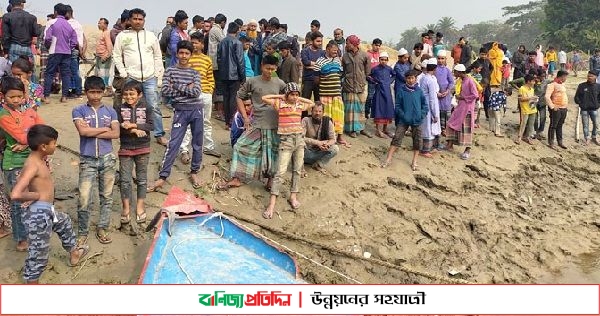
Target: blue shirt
{"x":103,"y":117}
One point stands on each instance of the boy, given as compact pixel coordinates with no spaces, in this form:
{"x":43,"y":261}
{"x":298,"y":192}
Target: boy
{"x":182,"y":84}
{"x":497,"y":108}
{"x":539,"y":88}
{"x":35,"y":185}
{"x":237,"y":127}
{"x":505,"y":73}
{"x":203,"y":65}
{"x":97,"y":125}
{"x":288,"y":71}
{"x":135,"y":119}
{"x":291,"y":141}
{"x":528,"y":109}
{"x":14,"y":124}
{"x":411,"y":110}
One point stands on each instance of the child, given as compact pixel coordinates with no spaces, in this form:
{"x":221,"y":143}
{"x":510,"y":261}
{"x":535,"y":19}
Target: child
{"x":203,"y":65}
{"x":497,"y":108}
{"x":237,"y":128}
{"x":291,"y":141}
{"x":528,"y":109}
{"x":411,"y":110}
{"x":382,"y":77}
{"x":35,"y":185}
{"x":182,"y":84}
{"x":14,"y":124}
{"x":476,"y":69}
{"x":97,"y":125}
{"x":135,"y":119}
{"x":247,"y":42}
{"x":22,"y":68}
{"x":540,"y":87}
{"x":505,"y":73}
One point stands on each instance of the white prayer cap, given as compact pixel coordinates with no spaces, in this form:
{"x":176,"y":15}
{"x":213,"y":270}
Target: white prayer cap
{"x":441,"y":53}
{"x":431,"y":61}
{"x":402,"y":52}
{"x":424,"y":65}
{"x":384,"y":54}
{"x":460,"y":67}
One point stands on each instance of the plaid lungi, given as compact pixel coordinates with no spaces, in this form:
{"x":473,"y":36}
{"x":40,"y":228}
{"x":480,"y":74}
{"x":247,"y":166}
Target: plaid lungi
{"x":43,"y":63}
{"x":353,"y":111}
{"x":103,"y":69}
{"x":444,"y":116}
{"x":15,"y":51}
{"x":334,"y":108}
{"x":464,"y":137}
{"x":255,"y":155}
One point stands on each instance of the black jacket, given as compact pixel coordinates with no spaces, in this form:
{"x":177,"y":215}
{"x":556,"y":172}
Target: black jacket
{"x":587,"y":96}
{"x":142,"y":117}
{"x":18,"y":27}
{"x":230,"y":58}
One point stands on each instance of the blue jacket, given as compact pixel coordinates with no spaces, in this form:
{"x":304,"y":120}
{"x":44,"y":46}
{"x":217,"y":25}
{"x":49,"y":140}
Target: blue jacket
{"x":411,"y":106}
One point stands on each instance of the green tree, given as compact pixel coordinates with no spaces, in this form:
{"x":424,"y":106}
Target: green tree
{"x":526,"y":21}
{"x":408,"y":38}
{"x":572,"y":24}
{"x":447,"y":26}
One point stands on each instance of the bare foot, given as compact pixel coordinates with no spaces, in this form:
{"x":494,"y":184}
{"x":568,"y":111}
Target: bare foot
{"x":157,"y":185}
{"x":234,"y":183}
{"x":4,"y":232}
{"x":414,"y":166}
{"x":22,"y":246}
{"x":294,"y":203}
{"x":268,"y":213}
{"x":195,"y":179}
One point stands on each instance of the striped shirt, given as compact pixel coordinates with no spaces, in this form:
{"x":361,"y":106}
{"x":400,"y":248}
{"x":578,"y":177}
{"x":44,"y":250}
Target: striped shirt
{"x":203,"y":65}
{"x":290,"y":117}
{"x":330,"y":72}
{"x":176,"y":85}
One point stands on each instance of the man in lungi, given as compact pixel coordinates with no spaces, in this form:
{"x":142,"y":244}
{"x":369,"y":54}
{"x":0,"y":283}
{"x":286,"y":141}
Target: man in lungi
{"x":356,"y":67}
{"x":255,"y":152}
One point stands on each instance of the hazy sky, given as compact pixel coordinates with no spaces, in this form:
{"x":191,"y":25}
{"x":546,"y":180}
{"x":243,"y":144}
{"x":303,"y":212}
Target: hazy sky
{"x":373,"y":18}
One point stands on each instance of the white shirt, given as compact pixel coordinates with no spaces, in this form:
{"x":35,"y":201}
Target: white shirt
{"x":562,"y":57}
{"x":139,"y":64}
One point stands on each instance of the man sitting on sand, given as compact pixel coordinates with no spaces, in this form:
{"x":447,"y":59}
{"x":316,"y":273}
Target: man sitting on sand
{"x":319,"y":137}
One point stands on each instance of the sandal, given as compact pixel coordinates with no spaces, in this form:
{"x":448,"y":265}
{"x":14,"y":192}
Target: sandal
{"x":140,"y":218}
{"x":86,"y":250}
{"x":195,"y":183}
{"x":465,"y":156}
{"x":185,"y":158}
{"x":102,"y":236}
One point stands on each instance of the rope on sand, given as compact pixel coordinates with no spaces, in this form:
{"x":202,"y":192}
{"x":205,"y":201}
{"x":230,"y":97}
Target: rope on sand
{"x":403,"y":268}
{"x":67,"y":149}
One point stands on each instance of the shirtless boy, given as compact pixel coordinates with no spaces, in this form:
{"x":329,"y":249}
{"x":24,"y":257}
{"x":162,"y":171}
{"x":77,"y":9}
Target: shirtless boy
{"x":35,"y":186}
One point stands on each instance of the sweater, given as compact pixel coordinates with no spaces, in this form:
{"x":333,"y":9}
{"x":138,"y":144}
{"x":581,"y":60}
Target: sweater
{"x":556,"y":96}
{"x":137,"y":55}
{"x":587,"y":96}
{"x":141,"y":115}
{"x":411,"y":106}
{"x":183,"y":86}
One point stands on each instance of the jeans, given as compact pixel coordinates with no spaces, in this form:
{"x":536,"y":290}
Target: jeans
{"x":230,"y":89}
{"x":92,"y":171}
{"x":585,"y":121}
{"x":540,"y":119}
{"x":76,"y":84}
{"x":56,"y":62}
{"x":209,"y":143}
{"x":141,"y":173}
{"x":16,"y":211}
{"x":291,"y":147}
{"x":312,"y":156}
{"x":557,"y":119}
{"x":149,"y":86}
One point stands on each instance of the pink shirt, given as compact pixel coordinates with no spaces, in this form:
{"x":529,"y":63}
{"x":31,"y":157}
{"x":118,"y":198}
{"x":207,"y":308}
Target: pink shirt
{"x":104,"y":46}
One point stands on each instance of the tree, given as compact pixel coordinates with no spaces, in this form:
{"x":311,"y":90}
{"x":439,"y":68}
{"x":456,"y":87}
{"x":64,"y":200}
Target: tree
{"x":572,"y":24}
{"x":447,"y":26}
{"x":526,"y":21}
{"x":408,"y":38}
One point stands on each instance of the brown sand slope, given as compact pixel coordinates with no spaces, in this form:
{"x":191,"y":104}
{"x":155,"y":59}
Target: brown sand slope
{"x":511,"y":214}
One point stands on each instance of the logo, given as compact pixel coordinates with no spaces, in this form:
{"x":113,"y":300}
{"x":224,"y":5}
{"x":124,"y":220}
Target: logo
{"x":261,"y":298}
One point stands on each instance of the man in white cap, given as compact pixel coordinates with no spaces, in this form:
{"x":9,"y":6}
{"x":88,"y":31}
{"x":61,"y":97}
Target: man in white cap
{"x":431,"y":125}
{"x":460,"y":126}
{"x":401,"y":68}
{"x":445,"y":81}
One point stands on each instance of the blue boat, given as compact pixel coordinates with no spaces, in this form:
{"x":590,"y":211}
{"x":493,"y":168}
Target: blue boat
{"x":194,"y":245}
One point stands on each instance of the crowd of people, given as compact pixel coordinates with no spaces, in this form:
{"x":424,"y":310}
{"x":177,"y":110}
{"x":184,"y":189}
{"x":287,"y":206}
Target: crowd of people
{"x":282,"y":102}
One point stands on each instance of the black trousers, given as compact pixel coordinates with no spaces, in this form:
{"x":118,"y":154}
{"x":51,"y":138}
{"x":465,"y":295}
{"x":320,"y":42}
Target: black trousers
{"x":309,"y":89}
{"x":557,"y":119}
{"x":230,"y":89}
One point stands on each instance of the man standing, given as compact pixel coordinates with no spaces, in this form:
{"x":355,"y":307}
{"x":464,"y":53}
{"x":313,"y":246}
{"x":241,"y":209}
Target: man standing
{"x":587,"y":97}
{"x":19,"y":27}
{"x":338,"y":38}
{"x":562,"y":60}
{"x":373,"y":54}
{"x":557,"y":101}
{"x":445,"y":81}
{"x":60,"y":38}
{"x":288,"y":71}
{"x":165,"y":36}
{"x":457,"y":50}
{"x":76,"y":82}
{"x":309,"y":56}
{"x":198,"y":23}
{"x":215,"y":36}
{"x":232,"y":69}
{"x":356,"y":66}
{"x":137,"y":57}
{"x":319,"y":137}
{"x":465,"y":54}
{"x":315,"y":26}
{"x":104,"y":48}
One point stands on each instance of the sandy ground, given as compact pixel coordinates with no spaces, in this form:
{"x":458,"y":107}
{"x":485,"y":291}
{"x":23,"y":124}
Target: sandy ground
{"x":511,"y":214}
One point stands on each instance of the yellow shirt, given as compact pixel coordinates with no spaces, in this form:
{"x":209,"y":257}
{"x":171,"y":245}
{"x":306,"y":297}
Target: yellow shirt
{"x":203,"y":65}
{"x":551,"y":56}
{"x":527,"y":107}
